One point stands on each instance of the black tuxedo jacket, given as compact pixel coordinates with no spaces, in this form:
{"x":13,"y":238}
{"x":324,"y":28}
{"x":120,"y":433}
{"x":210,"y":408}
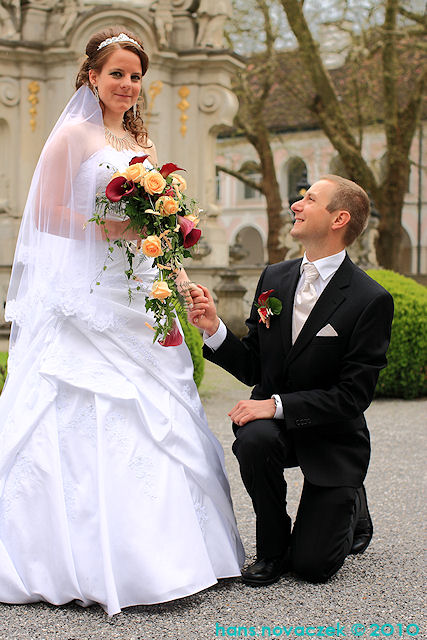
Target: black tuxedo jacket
{"x":325,"y":383}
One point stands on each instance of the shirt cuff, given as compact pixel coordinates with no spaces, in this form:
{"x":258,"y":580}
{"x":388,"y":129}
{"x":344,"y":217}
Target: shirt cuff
{"x":216,"y":339}
{"x":279,"y":414}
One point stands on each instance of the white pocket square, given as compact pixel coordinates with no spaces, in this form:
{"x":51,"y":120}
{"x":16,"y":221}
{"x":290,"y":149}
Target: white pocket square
{"x":327,"y":331}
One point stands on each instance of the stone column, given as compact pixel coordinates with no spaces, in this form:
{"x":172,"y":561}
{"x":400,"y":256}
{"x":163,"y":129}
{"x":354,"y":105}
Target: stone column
{"x":187,"y":89}
{"x":34,"y":20}
{"x":194,"y":101}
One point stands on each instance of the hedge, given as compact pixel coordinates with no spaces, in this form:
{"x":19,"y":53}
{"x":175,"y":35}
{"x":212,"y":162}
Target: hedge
{"x":406,"y":373}
{"x":3,"y":368}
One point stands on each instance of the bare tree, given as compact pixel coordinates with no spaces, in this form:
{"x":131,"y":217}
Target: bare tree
{"x":253,"y":86}
{"x":383,"y":81}
{"x":400,"y":118}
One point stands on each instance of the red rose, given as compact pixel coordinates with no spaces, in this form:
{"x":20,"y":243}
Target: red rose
{"x":190,"y":234}
{"x":119,"y":187}
{"x":137,"y":159}
{"x":168,"y":168}
{"x":174,"y":337}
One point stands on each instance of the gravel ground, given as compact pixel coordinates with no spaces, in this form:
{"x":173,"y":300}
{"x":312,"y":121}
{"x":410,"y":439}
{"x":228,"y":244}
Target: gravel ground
{"x":382,"y":586}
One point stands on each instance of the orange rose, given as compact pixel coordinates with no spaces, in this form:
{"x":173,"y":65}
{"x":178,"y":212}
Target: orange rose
{"x":152,"y":247}
{"x":167,"y":206}
{"x":135,"y":172}
{"x":179,"y":181}
{"x":154,"y":182}
{"x":160,"y":290}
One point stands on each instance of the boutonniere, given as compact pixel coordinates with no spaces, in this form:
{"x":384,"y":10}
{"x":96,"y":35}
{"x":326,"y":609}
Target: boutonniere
{"x":268,"y":306}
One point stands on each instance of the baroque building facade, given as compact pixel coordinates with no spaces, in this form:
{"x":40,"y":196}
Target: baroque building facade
{"x":186,"y":91}
{"x":188,"y":102}
{"x":309,"y":155}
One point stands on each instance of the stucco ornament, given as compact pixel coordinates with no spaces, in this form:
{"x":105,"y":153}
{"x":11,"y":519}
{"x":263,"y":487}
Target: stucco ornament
{"x":212,"y":16}
{"x":10,"y":19}
{"x":9,"y":91}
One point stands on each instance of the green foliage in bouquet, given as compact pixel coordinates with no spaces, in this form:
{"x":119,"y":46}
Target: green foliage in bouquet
{"x":406,"y":373}
{"x":152,"y":204}
{"x":194,"y":343}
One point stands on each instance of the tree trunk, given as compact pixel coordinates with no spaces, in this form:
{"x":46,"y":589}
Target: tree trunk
{"x":389,"y":201}
{"x":274,"y":210}
{"x":271,"y":191}
{"x":388,"y":242}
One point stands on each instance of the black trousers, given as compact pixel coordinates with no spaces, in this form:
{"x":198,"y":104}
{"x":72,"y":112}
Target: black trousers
{"x":322,"y":534}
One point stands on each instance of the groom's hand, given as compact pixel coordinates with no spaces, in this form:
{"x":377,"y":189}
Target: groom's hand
{"x":248,"y":410}
{"x":203,"y":314}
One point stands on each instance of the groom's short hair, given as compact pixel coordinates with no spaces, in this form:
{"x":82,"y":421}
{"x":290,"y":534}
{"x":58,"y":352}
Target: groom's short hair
{"x":352,"y":198}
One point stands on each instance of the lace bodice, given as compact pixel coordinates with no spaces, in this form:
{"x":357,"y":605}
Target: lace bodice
{"x":107,"y":161}
{"x":111,"y":160}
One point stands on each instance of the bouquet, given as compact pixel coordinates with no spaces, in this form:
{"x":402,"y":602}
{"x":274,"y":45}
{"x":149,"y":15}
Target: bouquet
{"x":165,"y":221}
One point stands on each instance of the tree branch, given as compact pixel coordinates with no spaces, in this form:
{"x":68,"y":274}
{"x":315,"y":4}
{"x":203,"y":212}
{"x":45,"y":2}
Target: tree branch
{"x":409,"y":116}
{"x":326,"y":104}
{"x":390,"y":62}
{"x":241,"y":176}
{"x":415,"y":17}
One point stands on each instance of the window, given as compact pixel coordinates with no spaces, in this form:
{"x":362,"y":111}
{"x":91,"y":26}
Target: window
{"x":218,"y":185}
{"x":248,"y":192}
{"x":296,"y":170}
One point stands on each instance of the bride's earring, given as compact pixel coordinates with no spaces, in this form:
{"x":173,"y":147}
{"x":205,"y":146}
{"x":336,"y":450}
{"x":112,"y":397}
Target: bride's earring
{"x":134,"y":108}
{"x":95,"y":90}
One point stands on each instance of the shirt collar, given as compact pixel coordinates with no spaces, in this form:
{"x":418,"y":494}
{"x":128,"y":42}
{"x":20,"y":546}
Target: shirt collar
{"x":326,"y":266}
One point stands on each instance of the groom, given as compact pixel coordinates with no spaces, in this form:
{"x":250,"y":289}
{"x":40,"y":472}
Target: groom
{"x":314,"y":363}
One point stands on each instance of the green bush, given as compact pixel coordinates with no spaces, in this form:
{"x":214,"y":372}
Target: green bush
{"x":3,"y":368}
{"x":194,"y":342}
{"x":406,"y":373}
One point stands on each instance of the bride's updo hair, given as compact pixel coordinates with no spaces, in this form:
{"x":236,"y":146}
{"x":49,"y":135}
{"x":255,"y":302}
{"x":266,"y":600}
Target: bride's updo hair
{"x":96,"y":58}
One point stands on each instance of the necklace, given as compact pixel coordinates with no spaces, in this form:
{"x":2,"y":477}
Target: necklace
{"x":125,"y":142}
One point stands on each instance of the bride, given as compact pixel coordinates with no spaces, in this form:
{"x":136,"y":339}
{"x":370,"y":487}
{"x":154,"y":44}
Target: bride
{"x":112,"y":487}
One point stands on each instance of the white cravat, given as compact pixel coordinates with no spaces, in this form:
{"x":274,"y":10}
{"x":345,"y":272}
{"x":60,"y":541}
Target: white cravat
{"x":305,"y":299}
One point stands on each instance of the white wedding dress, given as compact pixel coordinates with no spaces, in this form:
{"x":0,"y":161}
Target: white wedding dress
{"x":112,"y":486}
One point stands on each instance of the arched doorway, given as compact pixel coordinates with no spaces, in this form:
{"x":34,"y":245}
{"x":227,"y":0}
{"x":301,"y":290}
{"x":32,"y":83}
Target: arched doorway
{"x":248,"y":247}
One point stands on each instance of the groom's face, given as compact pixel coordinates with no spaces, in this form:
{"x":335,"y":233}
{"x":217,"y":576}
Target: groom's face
{"x":312,"y":219}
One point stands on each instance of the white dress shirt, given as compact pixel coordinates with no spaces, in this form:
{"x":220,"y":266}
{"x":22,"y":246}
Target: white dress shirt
{"x":326,"y":268}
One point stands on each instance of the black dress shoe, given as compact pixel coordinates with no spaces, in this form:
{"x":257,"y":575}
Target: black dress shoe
{"x":364,"y":528}
{"x":265,"y":571}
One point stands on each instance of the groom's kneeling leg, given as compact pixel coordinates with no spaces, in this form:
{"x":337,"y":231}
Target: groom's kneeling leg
{"x":323,"y":531}
{"x":262,"y":450}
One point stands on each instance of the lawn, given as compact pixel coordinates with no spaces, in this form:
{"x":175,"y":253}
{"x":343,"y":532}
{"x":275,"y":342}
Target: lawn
{"x":3,"y":358}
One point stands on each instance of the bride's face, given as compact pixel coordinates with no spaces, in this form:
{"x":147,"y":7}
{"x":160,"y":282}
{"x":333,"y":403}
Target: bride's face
{"x":118,"y":82}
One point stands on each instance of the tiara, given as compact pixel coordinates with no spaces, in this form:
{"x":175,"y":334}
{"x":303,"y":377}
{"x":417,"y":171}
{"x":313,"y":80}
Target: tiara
{"x":122,"y":37}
